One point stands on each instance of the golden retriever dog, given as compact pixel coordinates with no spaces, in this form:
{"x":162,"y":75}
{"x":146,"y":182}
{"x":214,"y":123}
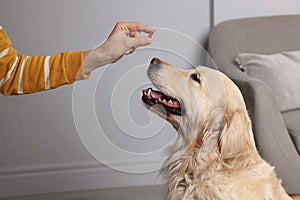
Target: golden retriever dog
{"x":214,"y":157}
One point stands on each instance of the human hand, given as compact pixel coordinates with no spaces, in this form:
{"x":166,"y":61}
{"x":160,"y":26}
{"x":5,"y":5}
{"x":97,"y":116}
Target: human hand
{"x":126,"y":37}
{"x":123,"y":40}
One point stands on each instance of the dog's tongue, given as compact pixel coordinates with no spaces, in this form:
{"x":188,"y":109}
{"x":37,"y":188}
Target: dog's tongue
{"x":160,"y":97}
{"x":155,"y":95}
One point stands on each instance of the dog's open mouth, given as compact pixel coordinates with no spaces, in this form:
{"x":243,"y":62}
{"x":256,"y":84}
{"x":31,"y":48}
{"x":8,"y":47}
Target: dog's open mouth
{"x":152,"y":97}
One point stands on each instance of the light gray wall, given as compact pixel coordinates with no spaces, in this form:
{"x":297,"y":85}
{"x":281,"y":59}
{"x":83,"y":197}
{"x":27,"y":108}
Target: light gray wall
{"x":231,"y":9}
{"x":40,"y":147}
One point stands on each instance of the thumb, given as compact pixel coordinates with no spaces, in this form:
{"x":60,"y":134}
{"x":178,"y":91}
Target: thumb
{"x":139,"y":41}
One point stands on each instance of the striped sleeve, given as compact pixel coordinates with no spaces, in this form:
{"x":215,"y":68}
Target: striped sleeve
{"x":21,"y":74}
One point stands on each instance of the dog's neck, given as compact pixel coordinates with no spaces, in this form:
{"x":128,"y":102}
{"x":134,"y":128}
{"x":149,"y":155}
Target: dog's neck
{"x":184,"y":169}
{"x":191,"y":163}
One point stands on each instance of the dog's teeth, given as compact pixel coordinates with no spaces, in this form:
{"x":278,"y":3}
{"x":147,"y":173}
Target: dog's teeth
{"x":149,"y":92}
{"x":170,"y":101}
{"x":164,"y":101}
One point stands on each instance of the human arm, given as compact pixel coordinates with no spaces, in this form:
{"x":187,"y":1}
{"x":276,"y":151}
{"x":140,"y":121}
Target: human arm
{"x":21,"y":74}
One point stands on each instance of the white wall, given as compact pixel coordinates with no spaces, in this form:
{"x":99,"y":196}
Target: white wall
{"x":40,"y":149}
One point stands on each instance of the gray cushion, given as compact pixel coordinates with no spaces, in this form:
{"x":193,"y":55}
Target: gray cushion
{"x":292,"y":121}
{"x":280,"y":71}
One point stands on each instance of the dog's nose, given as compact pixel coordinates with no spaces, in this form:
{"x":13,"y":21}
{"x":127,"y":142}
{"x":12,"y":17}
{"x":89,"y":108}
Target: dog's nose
{"x":155,"y":61}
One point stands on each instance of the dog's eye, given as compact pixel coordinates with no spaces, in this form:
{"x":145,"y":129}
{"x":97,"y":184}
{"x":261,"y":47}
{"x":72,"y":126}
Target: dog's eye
{"x":196,"y":77}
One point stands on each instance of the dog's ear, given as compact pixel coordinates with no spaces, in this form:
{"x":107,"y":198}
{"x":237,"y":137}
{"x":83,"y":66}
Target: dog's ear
{"x":236,"y":138}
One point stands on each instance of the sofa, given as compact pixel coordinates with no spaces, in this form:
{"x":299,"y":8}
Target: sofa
{"x":276,"y":132}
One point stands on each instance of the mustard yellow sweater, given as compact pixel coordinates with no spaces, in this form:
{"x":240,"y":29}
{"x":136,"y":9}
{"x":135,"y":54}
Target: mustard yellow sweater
{"x":21,"y":74}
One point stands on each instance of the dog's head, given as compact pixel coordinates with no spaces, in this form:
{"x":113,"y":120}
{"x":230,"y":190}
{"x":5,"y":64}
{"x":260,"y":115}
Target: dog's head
{"x":204,"y":105}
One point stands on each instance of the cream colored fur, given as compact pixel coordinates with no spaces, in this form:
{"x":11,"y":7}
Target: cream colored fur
{"x":215,"y":157}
